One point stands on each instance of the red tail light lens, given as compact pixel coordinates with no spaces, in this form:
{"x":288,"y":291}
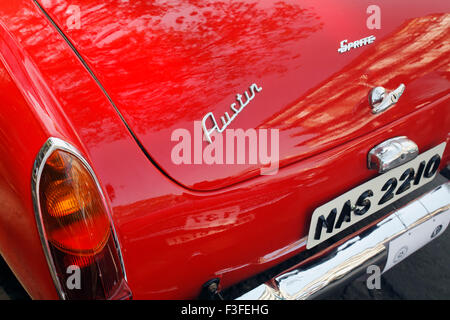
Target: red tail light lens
{"x":75,"y":227}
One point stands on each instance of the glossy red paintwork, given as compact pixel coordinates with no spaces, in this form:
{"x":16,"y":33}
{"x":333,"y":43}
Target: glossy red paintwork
{"x":174,"y":239}
{"x":167,"y":64}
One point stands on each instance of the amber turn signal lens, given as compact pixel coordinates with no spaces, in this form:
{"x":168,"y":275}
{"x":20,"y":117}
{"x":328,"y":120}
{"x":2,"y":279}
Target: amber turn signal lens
{"x":59,"y":161}
{"x":74,"y":215}
{"x":75,"y":226}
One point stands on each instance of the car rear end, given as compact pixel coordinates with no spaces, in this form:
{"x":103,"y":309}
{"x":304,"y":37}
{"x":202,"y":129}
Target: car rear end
{"x":335,"y":205}
{"x":214,"y":225}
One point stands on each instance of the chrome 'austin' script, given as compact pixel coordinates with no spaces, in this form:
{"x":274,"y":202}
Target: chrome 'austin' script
{"x":226,"y":120}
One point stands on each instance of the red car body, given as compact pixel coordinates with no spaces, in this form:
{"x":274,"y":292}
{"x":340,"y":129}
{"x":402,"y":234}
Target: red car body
{"x":117,"y":87}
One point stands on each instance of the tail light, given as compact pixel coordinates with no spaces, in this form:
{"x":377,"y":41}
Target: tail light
{"x":76,"y":230}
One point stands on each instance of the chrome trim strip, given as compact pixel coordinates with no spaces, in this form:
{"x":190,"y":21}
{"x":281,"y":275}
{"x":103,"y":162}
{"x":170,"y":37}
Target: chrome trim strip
{"x":348,"y":261}
{"x":47,"y":149}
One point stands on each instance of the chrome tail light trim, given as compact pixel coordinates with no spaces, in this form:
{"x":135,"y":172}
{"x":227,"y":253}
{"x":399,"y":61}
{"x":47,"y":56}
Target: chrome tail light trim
{"x":46,"y":150}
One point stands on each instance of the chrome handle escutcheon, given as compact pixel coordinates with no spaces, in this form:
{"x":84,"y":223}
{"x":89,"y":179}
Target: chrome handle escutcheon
{"x":380,"y":100}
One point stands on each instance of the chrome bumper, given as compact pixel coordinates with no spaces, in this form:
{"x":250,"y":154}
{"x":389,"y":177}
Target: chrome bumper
{"x":385,"y":244}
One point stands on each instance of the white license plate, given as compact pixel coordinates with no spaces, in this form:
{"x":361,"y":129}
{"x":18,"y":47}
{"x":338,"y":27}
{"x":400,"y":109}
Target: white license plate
{"x":368,"y":198}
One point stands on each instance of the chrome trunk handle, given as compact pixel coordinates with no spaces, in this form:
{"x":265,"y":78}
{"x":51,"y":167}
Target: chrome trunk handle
{"x":380,"y":100}
{"x":391,"y":154}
